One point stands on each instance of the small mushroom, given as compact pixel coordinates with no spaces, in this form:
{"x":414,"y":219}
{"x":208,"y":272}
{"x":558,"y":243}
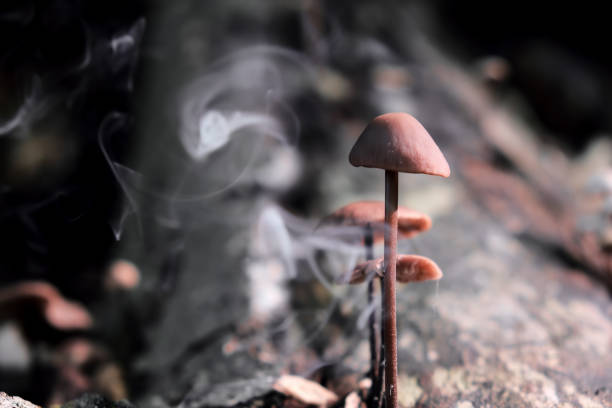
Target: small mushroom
{"x":395,"y":142}
{"x":370,"y":216}
{"x":362,"y":213}
{"x":410,"y":268}
{"x":59,"y":312}
{"x":122,"y":274}
{"x":416,"y":268}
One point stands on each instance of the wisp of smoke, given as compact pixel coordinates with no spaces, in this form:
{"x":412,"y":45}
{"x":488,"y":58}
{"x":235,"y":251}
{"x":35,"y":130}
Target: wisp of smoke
{"x":279,"y":242}
{"x":240,"y":91}
{"x":125,"y":47}
{"x":242,"y":97}
{"x":32,"y":108}
{"x":216,"y":128}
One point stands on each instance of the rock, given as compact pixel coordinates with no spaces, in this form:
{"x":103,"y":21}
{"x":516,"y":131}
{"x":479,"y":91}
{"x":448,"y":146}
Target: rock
{"x":95,"y":401}
{"x":6,"y":401}
{"x":228,"y":394}
{"x":14,"y":352}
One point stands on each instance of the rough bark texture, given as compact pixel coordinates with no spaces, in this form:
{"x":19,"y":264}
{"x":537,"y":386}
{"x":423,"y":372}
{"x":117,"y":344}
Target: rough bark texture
{"x":508,"y":326}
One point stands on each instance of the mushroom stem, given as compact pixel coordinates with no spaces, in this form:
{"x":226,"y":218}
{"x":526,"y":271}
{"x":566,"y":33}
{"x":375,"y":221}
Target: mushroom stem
{"x":389,"y":321}
{"x":374,"y":356}
{"x":375,"y":398}
{"x":369,"y":241}
{"x":381,"y":364}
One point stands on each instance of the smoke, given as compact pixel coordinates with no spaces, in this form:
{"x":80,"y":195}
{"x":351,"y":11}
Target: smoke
{"x":246,"y":89}
{"x":238,"y":106}
{"x":272,"y":239}
{"x":32,"y":108}
{"x":280,"y":242}
{"x":236,"y":130}
{"x":128,"y":179}
{"x":96,"y":62}
{"x":125,"y":48}
{"x":216,"y":128}
{"x":288,"y":251}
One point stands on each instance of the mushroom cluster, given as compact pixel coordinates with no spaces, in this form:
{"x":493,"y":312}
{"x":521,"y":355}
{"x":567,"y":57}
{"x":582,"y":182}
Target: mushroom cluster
{"x":394,"y":142}
{"x":370,"y":217}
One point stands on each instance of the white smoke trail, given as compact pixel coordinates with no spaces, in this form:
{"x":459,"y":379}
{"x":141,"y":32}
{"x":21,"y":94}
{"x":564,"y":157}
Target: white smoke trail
{"x":125,"y":50}
{"x":32,"y":108}
{"x":282,"y":240}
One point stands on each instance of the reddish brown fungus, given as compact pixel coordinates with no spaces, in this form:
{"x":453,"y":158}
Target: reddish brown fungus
{"x":361,"y":213}
{"x":410,"y":268}
{"x":398,"y":142}
{"x":395,"y":142}
{"x":416,"y":268}
{"x":370,"y":216}
{"x":57,"y":310}
{"x":122,"y":274}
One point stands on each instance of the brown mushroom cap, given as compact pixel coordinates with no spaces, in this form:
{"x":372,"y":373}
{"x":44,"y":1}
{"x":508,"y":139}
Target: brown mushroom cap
{"x":361,"y":213}
{"x":59,"y":312}
{"x":416,"y":268}
{"x":410,"y":268}
{"x":398,"y":142}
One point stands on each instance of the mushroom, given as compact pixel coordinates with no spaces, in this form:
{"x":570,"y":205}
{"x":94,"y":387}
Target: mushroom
{"x":370,"y":216}
{"x":58,"y":311}
{"x":362,"y":213}
{"x":409,"y":268}
{"x":122,"y":275}
{"x":395,"y":142}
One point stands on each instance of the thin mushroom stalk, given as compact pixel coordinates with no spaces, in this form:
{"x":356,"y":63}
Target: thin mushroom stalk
{"x":376,"y":352}
{"x":395,"y":142}
{"x":377,"y":387}
{"x":388,"y":310}
{"x":374,"y":397}
{"x":368,"y":242}
{"x":409,"y":268}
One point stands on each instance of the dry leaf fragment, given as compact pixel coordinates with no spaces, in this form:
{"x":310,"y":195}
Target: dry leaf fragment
{"x":306,"y":391}
{"x":410,"y":268}
{"x":352,"y":401}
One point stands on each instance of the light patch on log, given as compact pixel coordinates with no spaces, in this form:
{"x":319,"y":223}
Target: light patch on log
{"x":408,"y":391}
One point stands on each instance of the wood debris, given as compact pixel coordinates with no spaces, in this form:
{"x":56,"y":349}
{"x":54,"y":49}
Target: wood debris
{"x":306,"y":391}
